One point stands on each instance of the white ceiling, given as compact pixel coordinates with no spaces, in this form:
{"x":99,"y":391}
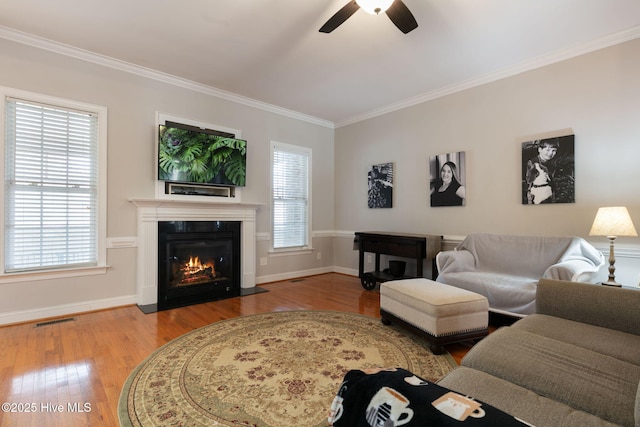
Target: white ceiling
{"x":271,"y":51}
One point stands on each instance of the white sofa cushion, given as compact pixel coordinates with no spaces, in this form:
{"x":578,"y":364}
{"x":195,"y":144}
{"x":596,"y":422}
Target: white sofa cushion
{"x":506,"y":268}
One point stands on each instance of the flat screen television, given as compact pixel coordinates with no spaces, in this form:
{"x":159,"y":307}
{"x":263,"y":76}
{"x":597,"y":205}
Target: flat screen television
{"x":188,"y":154}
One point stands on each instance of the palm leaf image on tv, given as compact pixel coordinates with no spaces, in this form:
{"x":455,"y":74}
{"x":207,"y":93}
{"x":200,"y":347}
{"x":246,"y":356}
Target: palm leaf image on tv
{"x":198,"y":157}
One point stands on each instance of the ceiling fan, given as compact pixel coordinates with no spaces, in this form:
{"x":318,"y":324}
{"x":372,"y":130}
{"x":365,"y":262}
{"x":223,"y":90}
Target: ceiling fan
{"x":396,"y":10}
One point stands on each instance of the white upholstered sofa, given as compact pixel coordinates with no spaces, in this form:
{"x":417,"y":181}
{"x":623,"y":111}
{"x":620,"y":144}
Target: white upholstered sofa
{"x":506,"y":268}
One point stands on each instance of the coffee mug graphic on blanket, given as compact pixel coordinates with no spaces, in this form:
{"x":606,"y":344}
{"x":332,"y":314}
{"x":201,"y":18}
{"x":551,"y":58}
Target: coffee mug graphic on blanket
{"x":397,"y":397}
{"x":458,"y":407}
{"x":388,"y":405}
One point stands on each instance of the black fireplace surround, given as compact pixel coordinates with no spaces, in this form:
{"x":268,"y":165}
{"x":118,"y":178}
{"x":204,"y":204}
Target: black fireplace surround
{"x":198,"y":261}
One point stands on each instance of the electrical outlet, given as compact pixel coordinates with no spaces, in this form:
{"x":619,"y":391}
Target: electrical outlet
{"x":369,"y":259}
{"x":263,"y":261}
{"x":319,"y":255}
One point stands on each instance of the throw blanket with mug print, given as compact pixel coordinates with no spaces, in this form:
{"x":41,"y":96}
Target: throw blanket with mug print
{"x":397,"y":397}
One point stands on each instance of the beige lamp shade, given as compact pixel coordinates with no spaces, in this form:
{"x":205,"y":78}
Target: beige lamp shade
{"x":613,"y":221}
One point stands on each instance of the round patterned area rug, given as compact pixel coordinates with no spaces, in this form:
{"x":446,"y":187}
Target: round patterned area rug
{"x":268,"y":370}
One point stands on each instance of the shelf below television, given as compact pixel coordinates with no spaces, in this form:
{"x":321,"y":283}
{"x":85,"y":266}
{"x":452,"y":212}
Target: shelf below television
{"x":182,"y":189}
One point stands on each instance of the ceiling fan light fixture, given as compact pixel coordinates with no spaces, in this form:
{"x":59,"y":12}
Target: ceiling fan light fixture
{"x":374,"y":7}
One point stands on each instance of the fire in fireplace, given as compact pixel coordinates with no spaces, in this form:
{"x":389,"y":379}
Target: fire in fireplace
{"x":194,"y":272}
{"x":198,"y":261}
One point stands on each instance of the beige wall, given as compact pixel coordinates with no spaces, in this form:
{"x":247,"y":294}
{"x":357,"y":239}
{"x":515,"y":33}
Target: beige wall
{"x":594,"y":96}
{"x":132,"y":102}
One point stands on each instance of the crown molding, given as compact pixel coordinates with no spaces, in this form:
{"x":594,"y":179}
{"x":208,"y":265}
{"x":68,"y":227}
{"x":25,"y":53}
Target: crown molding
{"x":106,"y":61}
{"x":539,"y":62}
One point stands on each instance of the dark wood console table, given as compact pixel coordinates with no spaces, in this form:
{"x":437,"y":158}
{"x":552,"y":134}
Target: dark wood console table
{"x":418,"y":247}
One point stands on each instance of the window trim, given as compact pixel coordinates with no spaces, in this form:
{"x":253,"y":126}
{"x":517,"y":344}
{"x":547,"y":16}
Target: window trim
{"x":101,"y":228}
{"x":305,"y":249}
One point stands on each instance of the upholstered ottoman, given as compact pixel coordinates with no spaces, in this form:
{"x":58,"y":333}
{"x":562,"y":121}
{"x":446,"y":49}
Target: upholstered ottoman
{"x":442,"y":313}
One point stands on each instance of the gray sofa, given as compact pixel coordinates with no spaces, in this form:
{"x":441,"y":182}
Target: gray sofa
{"x":576,"y":362}
{"x":505,"y":268}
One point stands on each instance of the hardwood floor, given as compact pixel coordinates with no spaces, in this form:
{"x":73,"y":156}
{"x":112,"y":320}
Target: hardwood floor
{"x":71,"y":372}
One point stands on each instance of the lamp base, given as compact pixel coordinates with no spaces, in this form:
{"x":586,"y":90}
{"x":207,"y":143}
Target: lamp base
{"x":612,"y":268}
{"x":611,"y":283}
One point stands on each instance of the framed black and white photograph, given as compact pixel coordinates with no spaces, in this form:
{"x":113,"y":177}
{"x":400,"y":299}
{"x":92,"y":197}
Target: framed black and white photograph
{"x":548,"y":171}
{"x":447,"y":179}
{"x":380,"y":178}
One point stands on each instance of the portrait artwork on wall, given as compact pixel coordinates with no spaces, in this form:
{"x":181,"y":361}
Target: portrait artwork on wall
{"x":447,"y":179}
{"x":548,"y":171}
{"x":380,"y":191}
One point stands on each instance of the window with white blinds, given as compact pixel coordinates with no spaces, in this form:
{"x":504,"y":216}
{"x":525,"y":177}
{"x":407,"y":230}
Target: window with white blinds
{"x":291,"y":195}
{"x":51,"y":187}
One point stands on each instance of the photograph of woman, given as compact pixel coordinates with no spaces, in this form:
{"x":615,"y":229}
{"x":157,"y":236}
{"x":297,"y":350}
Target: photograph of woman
{"x":447,"y":179}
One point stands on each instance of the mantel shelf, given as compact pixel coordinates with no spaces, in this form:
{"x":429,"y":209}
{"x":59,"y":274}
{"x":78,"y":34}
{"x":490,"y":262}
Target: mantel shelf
{"x":158,"y":203}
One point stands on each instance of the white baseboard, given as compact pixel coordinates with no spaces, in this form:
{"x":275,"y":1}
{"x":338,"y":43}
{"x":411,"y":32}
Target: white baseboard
{"x":347,"y":271}
{"x":293,"y":275}
{"x":65,"y":309}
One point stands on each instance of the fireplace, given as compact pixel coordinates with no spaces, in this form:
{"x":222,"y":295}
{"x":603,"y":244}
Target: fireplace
{"x":198,"y":261}
{"x":151,"y":212}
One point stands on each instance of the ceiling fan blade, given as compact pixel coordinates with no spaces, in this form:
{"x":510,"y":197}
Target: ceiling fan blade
{"x":342,"y":15}
{"x":402,"y":17}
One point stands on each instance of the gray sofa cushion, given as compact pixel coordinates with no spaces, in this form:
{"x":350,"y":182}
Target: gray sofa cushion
{"x":583,"y":379}
{"x":598,"y":305}
{"x":638,"y":406}
{"x":601,"y":340}
{"x":518,"y":401}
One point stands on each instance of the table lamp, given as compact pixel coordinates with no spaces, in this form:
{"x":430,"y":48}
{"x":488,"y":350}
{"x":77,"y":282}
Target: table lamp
{"x":612,"y":222}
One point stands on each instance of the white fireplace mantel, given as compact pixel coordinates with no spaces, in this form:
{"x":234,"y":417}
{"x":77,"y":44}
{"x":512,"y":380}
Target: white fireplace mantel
{"x":152,"y":211}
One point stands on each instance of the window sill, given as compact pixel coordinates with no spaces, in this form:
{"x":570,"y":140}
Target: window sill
{"x":290,"y":251}
{"x":29,"y":276}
